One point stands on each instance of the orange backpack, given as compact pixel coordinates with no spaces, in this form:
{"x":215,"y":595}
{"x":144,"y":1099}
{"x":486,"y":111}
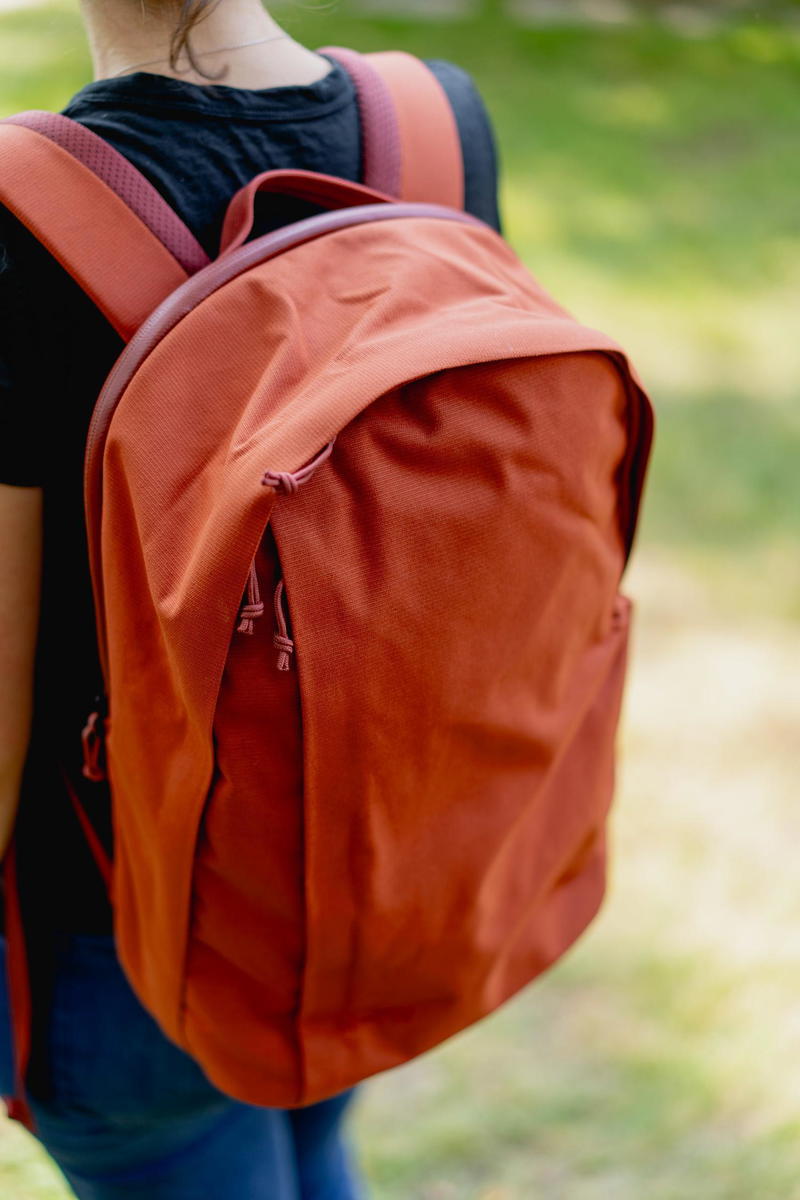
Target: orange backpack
{"x":359,"y":497}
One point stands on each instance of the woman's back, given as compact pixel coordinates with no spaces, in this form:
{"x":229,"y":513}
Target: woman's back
{"x":320,"y":872}
{"x":198,"y":144}
{"x":158,"y":1126}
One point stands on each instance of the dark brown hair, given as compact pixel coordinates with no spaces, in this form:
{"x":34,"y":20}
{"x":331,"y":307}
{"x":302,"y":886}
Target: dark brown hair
{"x":190,"y":14}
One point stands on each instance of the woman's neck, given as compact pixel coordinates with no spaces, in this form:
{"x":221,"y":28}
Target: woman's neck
{"x":124,"y":35}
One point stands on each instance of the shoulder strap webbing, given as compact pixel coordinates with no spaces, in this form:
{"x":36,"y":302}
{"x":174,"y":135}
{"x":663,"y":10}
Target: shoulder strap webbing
{"x":106,"y":248}
{"x":412,"y":146}
{"x":123,"y":178}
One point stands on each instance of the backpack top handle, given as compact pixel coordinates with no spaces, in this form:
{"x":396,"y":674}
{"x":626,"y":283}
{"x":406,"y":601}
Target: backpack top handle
{"x":326,"y":191}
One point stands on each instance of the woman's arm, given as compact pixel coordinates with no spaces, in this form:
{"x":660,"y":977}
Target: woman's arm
{"x":20,"y":574}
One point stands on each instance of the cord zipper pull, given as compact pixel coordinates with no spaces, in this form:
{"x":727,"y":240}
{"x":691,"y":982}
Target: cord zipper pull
{"x":282,"y":642}
{"x":93,"y":739}
{"x":253,"y":608}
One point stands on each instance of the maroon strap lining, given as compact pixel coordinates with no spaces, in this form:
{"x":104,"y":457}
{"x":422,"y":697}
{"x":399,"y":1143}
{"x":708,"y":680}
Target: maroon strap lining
{"x":124,"y":179}
{"x":381,"y":145}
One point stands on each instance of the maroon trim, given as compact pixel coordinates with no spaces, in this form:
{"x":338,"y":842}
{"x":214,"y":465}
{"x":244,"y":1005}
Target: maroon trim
{"x":640,"y":443}
{"x":178,"y":305}
{"x":123,"y":178}
{"x":382,"y":147}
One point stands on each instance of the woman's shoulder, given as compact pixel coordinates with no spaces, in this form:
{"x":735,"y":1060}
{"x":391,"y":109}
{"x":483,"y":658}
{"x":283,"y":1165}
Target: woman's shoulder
{"x":460,"y":86}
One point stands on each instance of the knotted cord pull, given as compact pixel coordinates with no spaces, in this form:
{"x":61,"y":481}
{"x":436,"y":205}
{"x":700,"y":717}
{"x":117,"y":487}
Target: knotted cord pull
{"x":282,"y":642}
{"x":254,"y":608}
{"x":288,"y":483}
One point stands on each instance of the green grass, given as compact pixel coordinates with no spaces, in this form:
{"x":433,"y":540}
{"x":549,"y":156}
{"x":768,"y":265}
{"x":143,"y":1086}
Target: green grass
{"x":651,"y":181}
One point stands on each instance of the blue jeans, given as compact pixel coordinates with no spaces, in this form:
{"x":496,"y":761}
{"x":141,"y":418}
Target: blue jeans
{"x":131,"y":1117}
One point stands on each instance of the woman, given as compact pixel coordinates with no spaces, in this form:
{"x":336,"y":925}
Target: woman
{"x":200,"y":97}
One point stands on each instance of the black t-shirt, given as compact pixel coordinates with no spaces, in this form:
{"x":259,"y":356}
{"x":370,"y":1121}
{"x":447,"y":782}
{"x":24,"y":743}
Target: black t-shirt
{"x":198,"y":145}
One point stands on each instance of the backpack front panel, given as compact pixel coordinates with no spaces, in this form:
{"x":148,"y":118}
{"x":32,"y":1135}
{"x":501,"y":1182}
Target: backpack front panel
{"x":451,"y":578}
{"x":460,"y":677}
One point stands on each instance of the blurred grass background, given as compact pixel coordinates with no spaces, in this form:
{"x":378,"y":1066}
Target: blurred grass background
{"x":651,"y":180}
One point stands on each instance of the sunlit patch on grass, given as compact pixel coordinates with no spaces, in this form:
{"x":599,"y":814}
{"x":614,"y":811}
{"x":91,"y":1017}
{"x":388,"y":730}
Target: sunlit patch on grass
{"x":766,"y":45}
{"x":26,"y":1173}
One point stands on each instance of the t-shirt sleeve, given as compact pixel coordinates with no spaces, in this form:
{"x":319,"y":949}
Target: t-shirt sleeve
{"x":20,"y":435}
{"x":478,"y":142}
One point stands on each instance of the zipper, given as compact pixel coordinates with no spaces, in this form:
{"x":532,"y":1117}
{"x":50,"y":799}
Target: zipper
{"x":93,"y":741}
{"x":282,"y":642}
{"x":252,"y":605}
{"x":253,"y":608}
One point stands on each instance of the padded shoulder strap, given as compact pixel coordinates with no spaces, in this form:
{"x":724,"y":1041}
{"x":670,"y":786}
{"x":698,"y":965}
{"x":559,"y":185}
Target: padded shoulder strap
{"x":433,"y":163}
{"x":123,"y":178}
{"x":109,"y":251}
{"x":412,"y":147}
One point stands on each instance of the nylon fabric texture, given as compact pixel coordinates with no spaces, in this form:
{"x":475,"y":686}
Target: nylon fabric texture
{"x":364,"y":854}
